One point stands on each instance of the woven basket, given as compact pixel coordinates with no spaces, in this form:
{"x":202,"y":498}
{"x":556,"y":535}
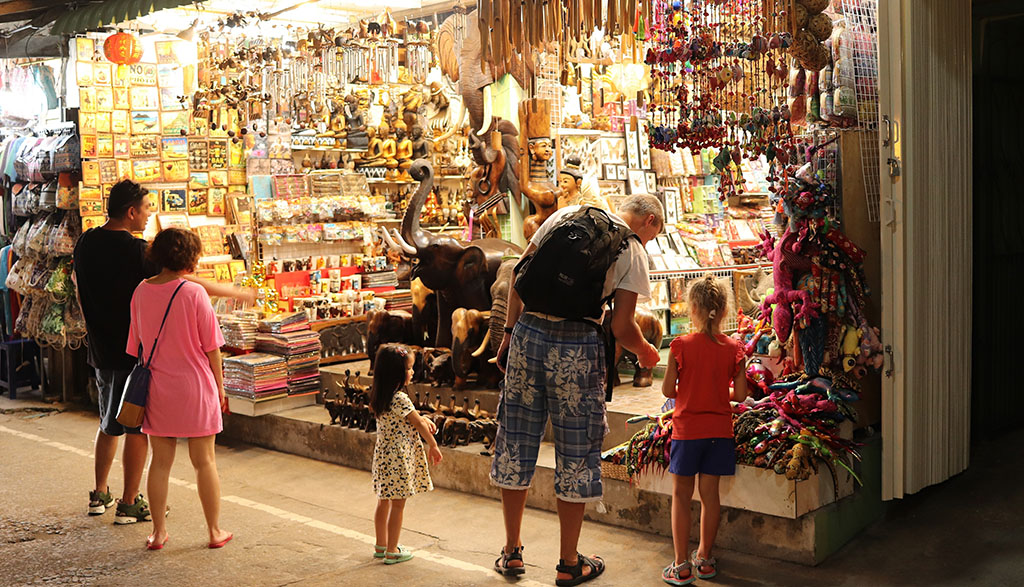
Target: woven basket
{"x":614,"y":471}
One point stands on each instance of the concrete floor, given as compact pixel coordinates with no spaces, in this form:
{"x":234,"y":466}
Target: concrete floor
{"x":305,"y":522}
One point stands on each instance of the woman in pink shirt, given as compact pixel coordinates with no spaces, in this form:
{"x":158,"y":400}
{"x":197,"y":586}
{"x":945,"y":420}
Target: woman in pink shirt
{"x":186,"y":393}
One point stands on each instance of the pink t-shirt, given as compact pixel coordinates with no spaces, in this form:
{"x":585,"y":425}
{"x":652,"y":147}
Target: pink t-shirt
{"x":183,"y":399}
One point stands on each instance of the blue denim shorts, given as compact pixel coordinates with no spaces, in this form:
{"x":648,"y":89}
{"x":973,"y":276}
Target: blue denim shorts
{"x":556,"y":370}
{"x":708,"y":456}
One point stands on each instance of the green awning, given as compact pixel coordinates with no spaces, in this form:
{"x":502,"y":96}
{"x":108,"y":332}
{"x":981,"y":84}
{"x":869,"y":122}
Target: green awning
{"x":108,"y":13}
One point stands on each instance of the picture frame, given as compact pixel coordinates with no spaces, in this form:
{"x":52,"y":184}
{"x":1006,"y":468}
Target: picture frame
{"x":199,"y":180}
{"x":103,"y":122}
{"x":218,"y":179}
{"x":87,"y":99}
{"x":142,"y":74}
{"x":239,"y":208}
{"x":198,"y":154}
{"x":613,"y":150}
{"x":652,"y":182}
{"x":644,"y":143}
{"x":124,"y":169}
{"x":197,"y":199}
{"x":144,"y":98}
{"x":119,"y":122}
{"x":199,"y":126}
{"x":672,"y":203}
{"x":218,"y":153}
{"x":104,"y":99}
{"x":90,"y":222}
{"x":145,"y":122}
{"x":174,"y":148}
{"x":222,"y":272}
{"x":176,"y":171}
{"x":632,"y":149}
{"x":101,"y":74}
{"x":88,"y":146}
{"x":90,"y":207}
{"x":91,"y":173}
{"x":104,"y":145}
{"x":622,"y":172}
{"x":122,"y":99}
{"x":175,"y":123}
{"x":83,"y":73}
{"x":146,"y":171}
{"x":237,"y":267}
{"x":145,"y":147}
{"x":173,"y":200}
{"x":611,"y":172}
{"x":86,"y":123}
{"x":665,"y":244}
{"x":215,"y":201}
{"x":84,"y":48}
{"x":172,"y":221}
{"x":108,"y":172}
{"x":169,"y":99}
{"x":166,"y":52}
{"x":637,"y":182}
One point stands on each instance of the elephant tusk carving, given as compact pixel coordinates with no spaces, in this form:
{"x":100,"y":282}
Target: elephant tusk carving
{"x":483,"y":345}
{"x":388,"y":240}
{"x":409,"y":249}
{"x":486,"y":124}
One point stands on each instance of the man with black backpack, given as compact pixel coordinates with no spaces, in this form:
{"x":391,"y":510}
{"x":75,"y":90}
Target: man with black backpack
{"x":554,"y":358}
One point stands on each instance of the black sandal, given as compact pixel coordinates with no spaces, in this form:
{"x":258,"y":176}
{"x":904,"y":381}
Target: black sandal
{"x":596,"y":565}
{"x":501,"y":565}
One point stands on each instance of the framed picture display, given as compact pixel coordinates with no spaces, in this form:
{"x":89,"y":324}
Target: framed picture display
{"x":176,"y":171}
{"x":613,"y":150}
{"x":91,"y":173}
{"x":173,"y":221}
{"x":88,"y":146}
{"x":124,"y":169}
{"x":218,"y":179}
{"x":122,"y":147}
{"x":197,"y":201}
{"x":145,"y":146}
{"x":104,"y":99}
{"x":672,"y":202}
{"x":198,"y":154}
{"x":108,"y":172}
{"x":611,"y":172}
{"x":90,"y":222}
{"x":173,"y":200}
{"x":87,"y":100}
{"x":144,"y":98}
{"x":665,"y":244}
{"x":169,"y":99}
{"x":104,"y":145}
{"x":637,"y":182}
{"x":218,"y":152}
{"x":652,"y":182}
{"x":122,"y":99}
{"x":174,"y":148}
{"x":622,"y":172}
{"x":142,"y":74}
{"x":632,"y":149}
{"x":119,"y":122}
{"x":236,"y":155}
{"x":101,"y":74}
{"x":145,"y":123}
{"x":103,"y":122}
{"x":199,"y":180}
{"x":146,"y":170}
{"x":200,"y":126}
{"x":215,"y":201}
{"x":83,"y":48}
{"x":83,"y":73}
{"x":175,"y":123}
{"x":644,"y":142}
{"x":86,"y":122}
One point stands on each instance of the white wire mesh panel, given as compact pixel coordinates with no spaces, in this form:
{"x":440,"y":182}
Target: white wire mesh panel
{"x":862,"y":26}
{"x":548,"y":85}
{"x":724,"y":274}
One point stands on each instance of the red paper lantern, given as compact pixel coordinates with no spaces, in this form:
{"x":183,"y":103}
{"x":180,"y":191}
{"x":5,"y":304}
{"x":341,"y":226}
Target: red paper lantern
{"x":122,"y":49}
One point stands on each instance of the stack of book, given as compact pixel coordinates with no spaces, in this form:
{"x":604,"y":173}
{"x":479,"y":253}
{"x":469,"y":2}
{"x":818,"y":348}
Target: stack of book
{"x":399,"y":299}
{"x":380,"y":279}
{"x":301,"y":350}
{"x":257,"y":376}
{"x":288,"y":322}
{"x":239,"y":331}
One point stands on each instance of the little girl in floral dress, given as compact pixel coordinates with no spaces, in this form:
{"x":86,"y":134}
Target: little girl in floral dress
{"x":399,"y":461}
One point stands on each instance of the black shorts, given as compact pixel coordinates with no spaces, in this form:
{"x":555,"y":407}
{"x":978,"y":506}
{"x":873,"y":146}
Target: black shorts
{"x":110,"y":383}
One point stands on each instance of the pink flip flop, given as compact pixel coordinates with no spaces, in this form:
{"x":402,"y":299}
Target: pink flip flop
{"x":222,"y":542}
{"x":152,"y":545}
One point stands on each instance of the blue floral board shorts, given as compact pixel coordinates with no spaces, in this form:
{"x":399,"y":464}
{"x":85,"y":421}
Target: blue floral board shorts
{"x":557,"y":370}
{"x":708,"y":456}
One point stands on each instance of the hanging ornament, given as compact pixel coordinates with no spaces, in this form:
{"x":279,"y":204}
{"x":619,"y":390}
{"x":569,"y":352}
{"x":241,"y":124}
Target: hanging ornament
{"x":124,"y":50}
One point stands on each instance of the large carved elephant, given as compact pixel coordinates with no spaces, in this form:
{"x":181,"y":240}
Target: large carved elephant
{"x":653,"y":330}
{"x":470,"y":337}
{"x":424,"y":313}
{"x":383,"y":327}
{"x":460,"y":273}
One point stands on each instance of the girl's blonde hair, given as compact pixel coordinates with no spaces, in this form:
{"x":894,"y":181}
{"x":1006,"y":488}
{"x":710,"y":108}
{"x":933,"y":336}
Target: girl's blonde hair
{"x":708,"y":300}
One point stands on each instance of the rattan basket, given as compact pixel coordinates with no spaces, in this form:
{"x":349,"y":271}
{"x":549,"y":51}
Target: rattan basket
{"x":614,"y":471}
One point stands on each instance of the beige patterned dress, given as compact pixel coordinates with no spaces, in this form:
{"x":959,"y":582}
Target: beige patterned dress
{"x":399,"y":459}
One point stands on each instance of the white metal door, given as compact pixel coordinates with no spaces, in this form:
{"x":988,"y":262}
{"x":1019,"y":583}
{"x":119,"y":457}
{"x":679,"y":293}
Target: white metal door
{"x":925,"y":102}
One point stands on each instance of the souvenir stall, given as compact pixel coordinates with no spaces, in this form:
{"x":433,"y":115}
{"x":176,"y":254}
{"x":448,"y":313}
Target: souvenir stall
{"x":39,"y":159}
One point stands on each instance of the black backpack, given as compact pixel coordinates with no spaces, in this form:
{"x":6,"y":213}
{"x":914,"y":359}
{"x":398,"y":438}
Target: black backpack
{"x":565,"y":276}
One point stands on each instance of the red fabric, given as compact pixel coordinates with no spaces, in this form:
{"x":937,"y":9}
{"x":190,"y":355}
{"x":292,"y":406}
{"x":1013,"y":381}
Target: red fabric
{"x":705,"y":370}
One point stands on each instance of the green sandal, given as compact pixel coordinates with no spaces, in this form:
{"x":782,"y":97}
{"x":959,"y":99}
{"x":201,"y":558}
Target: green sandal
{"x":393,"y":558}
{"x":379,"y":551}
{"x":697,"y":562}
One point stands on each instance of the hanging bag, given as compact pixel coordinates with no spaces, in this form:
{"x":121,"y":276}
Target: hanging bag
{"x":136,"y":389}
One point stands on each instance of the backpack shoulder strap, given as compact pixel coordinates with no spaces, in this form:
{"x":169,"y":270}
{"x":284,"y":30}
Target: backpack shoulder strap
{"x":162,"y":322}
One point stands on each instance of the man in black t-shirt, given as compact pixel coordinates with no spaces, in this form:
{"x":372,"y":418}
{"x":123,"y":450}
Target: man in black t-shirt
{"x":109,"y":264}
